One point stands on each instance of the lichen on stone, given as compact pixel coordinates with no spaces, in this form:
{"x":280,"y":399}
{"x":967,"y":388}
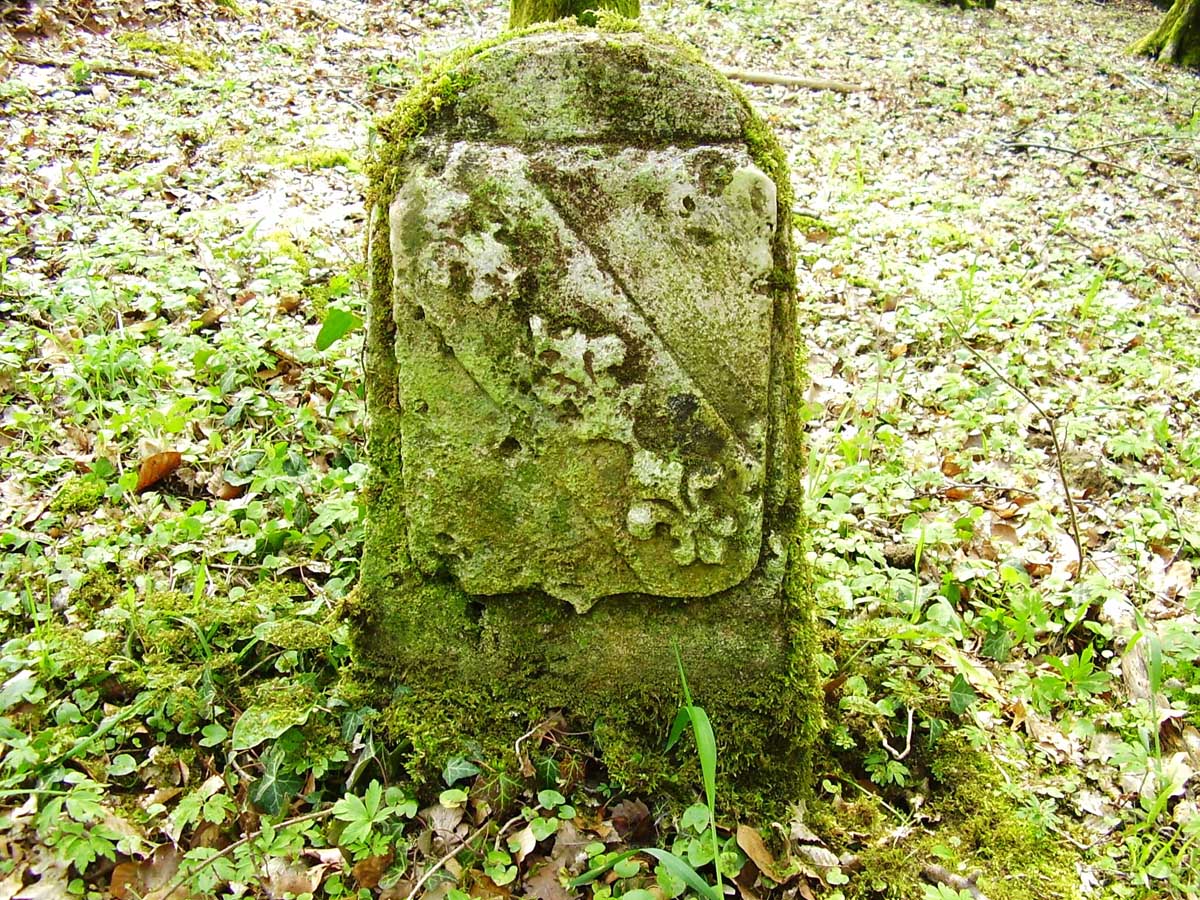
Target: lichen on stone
{"x":582,"y":381}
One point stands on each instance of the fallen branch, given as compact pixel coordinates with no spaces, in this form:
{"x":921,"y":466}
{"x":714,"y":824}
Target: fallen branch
{"x":751,"y":76}
{"x":101,"y":67}
{"x":183,"y":874}
{"x":1071,"y":151}
{"x":939,"y":875}
{"x":1052,"y":423}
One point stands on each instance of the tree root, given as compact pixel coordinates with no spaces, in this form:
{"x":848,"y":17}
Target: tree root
{"x":102,"y":68}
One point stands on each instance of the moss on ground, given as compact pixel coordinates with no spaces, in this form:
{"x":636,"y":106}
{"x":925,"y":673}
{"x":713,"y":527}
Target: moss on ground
{"x":978,"y":829}
{"x":173,"y":50}
{"x":79,"y":494}
{"x":322,"y":158}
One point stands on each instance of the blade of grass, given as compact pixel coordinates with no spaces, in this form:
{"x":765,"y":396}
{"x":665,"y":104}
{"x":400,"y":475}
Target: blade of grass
{"x":592,"y":874}
{"x":706,"y":748}
{"x":687,"y":874}
{"x":673,"y":864}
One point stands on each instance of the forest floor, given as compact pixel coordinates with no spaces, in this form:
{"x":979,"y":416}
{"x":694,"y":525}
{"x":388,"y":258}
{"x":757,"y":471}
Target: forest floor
{"x":999,"y":267}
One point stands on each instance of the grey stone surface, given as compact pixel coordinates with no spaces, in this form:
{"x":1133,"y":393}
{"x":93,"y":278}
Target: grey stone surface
{"x":584,"y":345}
{"x":581,"y":379}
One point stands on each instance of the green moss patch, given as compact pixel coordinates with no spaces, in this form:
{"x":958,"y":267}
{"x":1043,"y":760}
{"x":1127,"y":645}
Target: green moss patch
{"x":175,"y":51}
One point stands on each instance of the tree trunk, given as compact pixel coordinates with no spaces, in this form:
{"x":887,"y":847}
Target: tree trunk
{"x":1177,"y":39}
{"x":526,"y":12}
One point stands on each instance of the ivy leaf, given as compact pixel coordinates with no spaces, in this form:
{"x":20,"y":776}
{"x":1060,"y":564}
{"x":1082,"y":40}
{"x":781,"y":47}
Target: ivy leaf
{"x":273,"y":790}
{"x":695,"y":818}
{"x":265,"y":723}
{"x":338,"y":323}
{"x":550,"y":798}
{"x":627,"y":868}
{"x":543,"y":828}
{"x":996,"y":644}
{"x":123,"y":764}
{"x":17,"y":688}
{"x":457,"y":769}
{"x":962,"y":695}
{"x":213,"y":734}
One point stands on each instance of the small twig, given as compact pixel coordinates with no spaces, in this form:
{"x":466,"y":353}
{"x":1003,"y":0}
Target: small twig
{"x":437,"y":866}
{"x":1052,"y":422}
{"x":984,"y":485}
{"x":1070,"y":151}
{"x":1169,"y":250}
{"x":102,"y":67}
{"x":753,"y":76}
{"x":517,"y":746}
{"x":309,"y":9}
{"x":177,"y":880}
{"x":939,"y":875}
{"x":282,"y":355}
{"x":907,"y":739}
{"x":504,"y":828}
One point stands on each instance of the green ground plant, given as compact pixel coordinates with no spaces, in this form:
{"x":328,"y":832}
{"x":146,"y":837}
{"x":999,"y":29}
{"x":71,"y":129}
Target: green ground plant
{"x":177,"y":703}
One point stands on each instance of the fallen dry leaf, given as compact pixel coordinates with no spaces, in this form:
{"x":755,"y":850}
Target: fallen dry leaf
{"x":288,"y":878}
{"x":542,"y":882}
{"x":1004,"y":533}
{"x":950,"y":468}
{"x":222,"y":489}
{"x":523,"y":842}
{"x":817,"y":860}
{"x":135,"y":880}
{"x":157,"y":467}
{"x":752,"y":845}
{"x":369,"y":871}
{"x":632,"y":820}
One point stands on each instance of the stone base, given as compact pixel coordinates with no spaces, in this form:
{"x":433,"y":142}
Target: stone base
{"x":481,"y":675}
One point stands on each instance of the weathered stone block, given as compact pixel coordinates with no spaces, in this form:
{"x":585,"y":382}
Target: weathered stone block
{"x":582,"y":388}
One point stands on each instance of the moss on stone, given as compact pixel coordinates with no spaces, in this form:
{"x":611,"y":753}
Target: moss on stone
{"x":523,"y":13}
{"x":463,"y":671}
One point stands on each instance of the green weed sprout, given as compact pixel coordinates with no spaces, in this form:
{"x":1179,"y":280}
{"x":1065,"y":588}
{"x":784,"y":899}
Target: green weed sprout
{"x":706,"y":748}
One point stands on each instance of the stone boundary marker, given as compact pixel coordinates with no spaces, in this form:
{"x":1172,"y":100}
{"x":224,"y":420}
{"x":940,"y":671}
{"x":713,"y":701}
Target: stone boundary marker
{"x":581,"y":379}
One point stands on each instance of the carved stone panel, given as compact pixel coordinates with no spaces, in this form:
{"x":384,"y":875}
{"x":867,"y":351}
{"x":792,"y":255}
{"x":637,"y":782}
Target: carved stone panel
{"x":583,"y":336}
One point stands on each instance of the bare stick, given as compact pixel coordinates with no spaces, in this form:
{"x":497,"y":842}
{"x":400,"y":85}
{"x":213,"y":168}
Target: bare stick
{"x":1070,"y":151}
{"x":939,"y":875}
{"x":753,"y":76}
{"x":174,"y":884}
{"x":1170,"y":258}
{"x":1052,"y":422}
{"x":102,"y":67}
{"x":988,"y":486}
{"x":907,"y":738}
{"x":437,"y":866}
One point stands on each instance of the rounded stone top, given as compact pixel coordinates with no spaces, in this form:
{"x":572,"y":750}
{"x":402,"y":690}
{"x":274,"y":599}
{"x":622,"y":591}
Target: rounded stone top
{"x":593,"y":85}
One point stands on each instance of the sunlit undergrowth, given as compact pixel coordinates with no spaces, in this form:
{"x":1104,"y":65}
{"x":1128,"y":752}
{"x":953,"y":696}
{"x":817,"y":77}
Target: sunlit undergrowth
{"x":998,"y":248}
